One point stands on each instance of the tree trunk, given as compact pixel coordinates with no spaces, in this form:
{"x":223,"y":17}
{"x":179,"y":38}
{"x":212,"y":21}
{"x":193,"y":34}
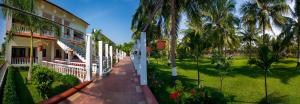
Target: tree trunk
{"x":169,"y":53}
{"x":173,"y":40}
{"x":266,"y":87}
{"x":298,"y":52}
{"x":30,"y":57}
{"x":250,"y":50}
{"x":221,"y":83}
{"x":198,"y":71}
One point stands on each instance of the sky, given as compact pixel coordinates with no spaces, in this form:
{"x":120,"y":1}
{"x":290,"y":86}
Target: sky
{"x":113,"y":17}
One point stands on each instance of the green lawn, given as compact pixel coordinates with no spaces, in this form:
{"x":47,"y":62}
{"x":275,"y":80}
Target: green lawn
{"x":29,"y":94}
{"x":244,"y":83}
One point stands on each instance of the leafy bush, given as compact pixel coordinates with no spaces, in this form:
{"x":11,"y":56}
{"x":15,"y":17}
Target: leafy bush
{"x":70,"y":80}
{"x":10,"y":94}
{"x":43,"y":81}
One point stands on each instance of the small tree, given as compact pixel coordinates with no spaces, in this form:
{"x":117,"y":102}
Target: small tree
{"x":264,"y":60}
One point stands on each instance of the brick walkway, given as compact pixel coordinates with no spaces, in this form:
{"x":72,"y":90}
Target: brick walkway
{"x":120,"y":87}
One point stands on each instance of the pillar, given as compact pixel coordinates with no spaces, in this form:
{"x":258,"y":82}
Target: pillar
{"x":40,"y":54}
{"x":52,"y":51}
{"x":62,"y":28}
{"x":88,"y":60}
{"x":106,"y":54}
{"x":117,"y":56}
{"x":111,"y":56}
{"x":100,"y":54}
{"x":63,"y":55}
{"x":143,"y":60}
{"x":72,"y":34}
{"x":70,"y":56}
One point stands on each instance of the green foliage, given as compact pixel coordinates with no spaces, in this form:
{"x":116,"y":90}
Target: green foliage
{"x":44,"y":77}
{"x":10,"y":91}
{"x":43,"y":81}
{"x":70,"y":80}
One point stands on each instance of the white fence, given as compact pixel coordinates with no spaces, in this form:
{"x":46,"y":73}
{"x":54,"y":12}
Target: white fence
{"x":78,"y":71}
{"x":22,"y":60}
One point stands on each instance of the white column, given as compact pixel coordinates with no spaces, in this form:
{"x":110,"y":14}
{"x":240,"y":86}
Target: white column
{"x":139,"y":56}
{"x":100,"y":58}
{"x":106,"y":54}
{"x":40,"y":54}
{"x":116,"y":55}
{"x":72,"y":34}
{"x":62,"y":28}
{"x":111,"y":56}
{"x":62,"y":55}
{"x":143,"y":59}
{"x":88,"y":58}
{"x":52,"y":51}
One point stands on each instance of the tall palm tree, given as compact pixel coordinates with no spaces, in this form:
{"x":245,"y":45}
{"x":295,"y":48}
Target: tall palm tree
{"x":170,"y":11}
{"x":249,"y":36}
{"x":220,"y":25}
{"x":33,"y":23}
{"x":220,"y":29}
{"x":196,"y":43}
{"x":265,"y":11}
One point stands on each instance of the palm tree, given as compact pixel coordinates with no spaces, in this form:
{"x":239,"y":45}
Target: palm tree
{"x":220,"y":29}
{"x":196,"y":43}
{"x":266,"y":56}
{"x":249,"y":36}
{"x":33,"y":23}
{"x":170,"y":11}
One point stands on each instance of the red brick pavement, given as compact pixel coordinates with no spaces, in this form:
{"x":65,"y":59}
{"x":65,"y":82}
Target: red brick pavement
{"x":120,"y":87}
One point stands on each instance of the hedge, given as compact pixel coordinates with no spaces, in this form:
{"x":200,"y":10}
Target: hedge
{"x":10,"y":92}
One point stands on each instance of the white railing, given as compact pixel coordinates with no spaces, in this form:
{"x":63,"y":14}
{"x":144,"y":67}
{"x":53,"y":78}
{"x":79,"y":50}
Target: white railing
{"x":95,"y":67}
{"x":25,"y":29}
{"x":78,"y":71}
{"x":22,"y":60}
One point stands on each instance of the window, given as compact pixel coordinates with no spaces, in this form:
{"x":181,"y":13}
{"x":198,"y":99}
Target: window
{"x":18,"y":52}
{"x":34,"y":52}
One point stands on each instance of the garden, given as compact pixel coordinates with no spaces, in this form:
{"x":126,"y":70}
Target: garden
{"x":45,"y":83}
{"x":242,"y":84}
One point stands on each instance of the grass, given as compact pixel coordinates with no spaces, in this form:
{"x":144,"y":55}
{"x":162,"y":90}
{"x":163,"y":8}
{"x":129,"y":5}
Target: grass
{"x":244,"y":83}
{"x":29,"y":94}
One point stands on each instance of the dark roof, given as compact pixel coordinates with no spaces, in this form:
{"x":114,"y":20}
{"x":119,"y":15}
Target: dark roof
{"x":65,"y":11}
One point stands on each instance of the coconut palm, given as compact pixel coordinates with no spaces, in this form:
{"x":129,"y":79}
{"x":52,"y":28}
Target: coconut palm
{"x":170,"y":11}
{"x":32,"y":23}
{"x":249,"y":36}
{"x":267,"y":54}
{"x":220,"y":26}
{"x":196,"y":43}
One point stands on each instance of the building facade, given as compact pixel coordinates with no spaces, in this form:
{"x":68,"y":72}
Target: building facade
{"x":48,"y":46}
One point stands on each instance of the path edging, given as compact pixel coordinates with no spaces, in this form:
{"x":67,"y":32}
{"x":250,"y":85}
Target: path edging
{"x":58,"y":98}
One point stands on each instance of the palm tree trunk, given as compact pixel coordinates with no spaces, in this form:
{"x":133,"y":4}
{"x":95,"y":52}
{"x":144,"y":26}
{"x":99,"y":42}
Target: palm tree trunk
{"x":173,"y":40}
{"x":298,"y":52}
{"x":266,"y":87}
{"x":198,"y":71}
{"x":221,"y":83}
{"x":250,"y":50}
{"x":169,"y":53}
{"x":30,"y":57}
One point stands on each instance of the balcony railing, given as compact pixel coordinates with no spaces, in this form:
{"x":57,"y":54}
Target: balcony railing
{"x":20,"y":28}
{"x":22,"y":60}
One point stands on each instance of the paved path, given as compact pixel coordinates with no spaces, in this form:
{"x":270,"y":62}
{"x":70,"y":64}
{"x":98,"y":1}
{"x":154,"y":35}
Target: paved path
{"x":120,"y":87}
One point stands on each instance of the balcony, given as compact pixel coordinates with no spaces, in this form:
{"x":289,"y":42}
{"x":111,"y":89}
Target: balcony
{"x":23,"y":30}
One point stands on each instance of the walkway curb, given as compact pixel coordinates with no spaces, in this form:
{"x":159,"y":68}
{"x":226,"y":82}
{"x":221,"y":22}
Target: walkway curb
{"x":150,"y":99}
{"x":57,"y":98}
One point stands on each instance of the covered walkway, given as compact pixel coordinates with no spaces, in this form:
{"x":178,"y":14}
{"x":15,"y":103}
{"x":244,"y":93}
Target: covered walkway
{"x":120,"y":87}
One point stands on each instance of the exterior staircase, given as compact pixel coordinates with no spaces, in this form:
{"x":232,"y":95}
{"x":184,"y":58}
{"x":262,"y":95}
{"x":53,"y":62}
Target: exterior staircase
{"x":66,"y":45}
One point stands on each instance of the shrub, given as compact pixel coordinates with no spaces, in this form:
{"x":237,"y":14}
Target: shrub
{"x":70,"y":80}
{"x":43,"y":80}
{"x":10,"y":94}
